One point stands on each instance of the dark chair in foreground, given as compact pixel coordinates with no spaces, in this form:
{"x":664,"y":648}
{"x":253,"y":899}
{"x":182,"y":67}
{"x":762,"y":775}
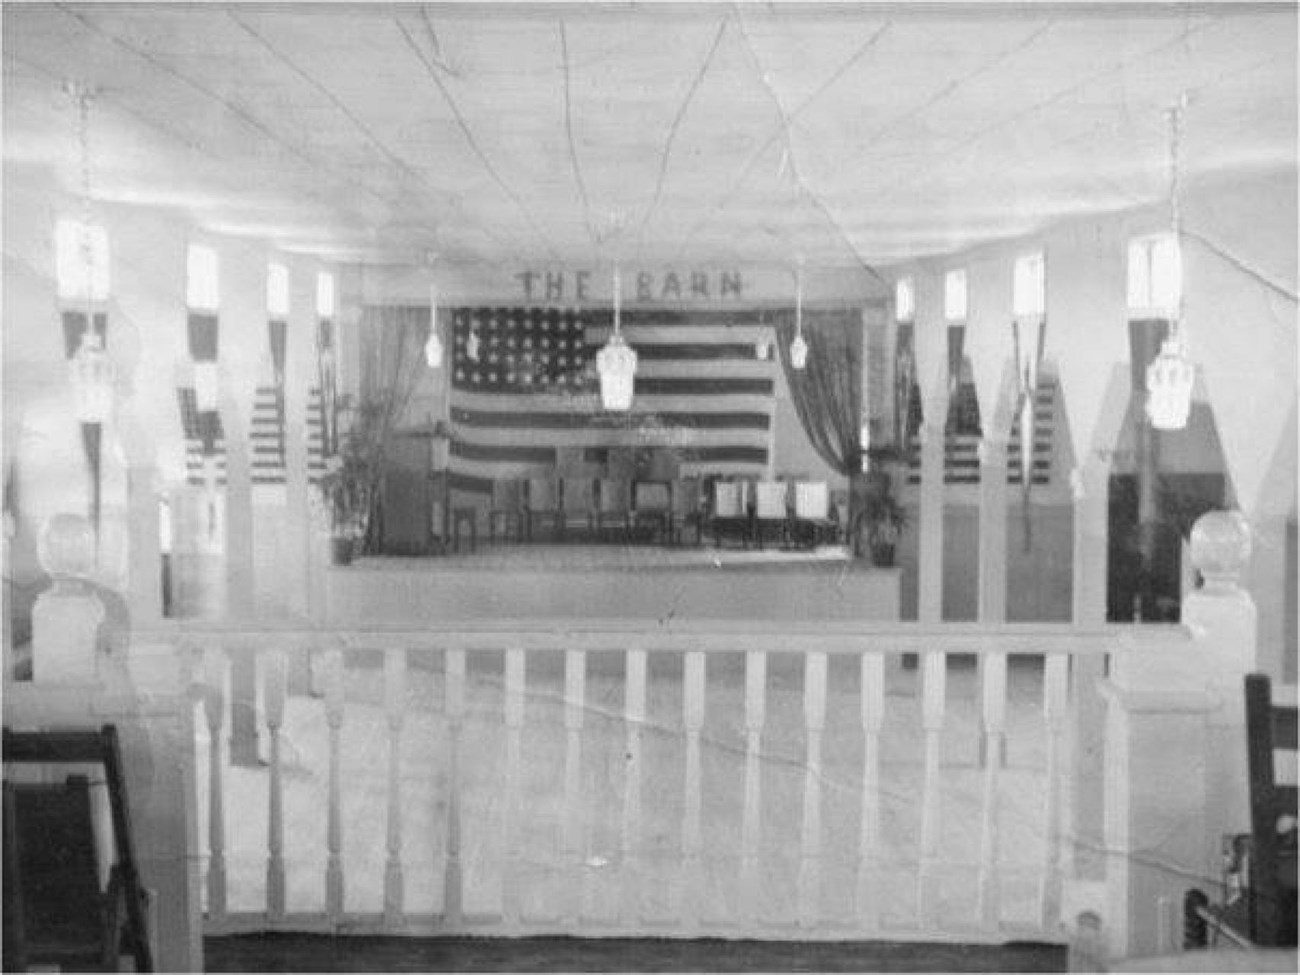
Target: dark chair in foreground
{"x":55,"y":911}
{"x":507,"y":510}
{"x":1259,"y":908}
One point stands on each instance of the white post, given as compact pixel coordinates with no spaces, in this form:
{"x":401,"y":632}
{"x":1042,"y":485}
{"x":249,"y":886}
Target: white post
{"x":930,"y":556}
{"x":1155,"y":798}
{"x":1222,"y":618}
{"x":993,"y":530}
{"x":67,"y":616}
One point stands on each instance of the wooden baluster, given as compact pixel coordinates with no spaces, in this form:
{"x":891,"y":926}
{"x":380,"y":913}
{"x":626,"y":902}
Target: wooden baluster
{"x":395,"y":710}
{"x":934,"y":677}
{"x":454,"y":878}
{"x":873,"y":715}
{"x":214,"y":707}
{"x":334,"y":835}
{"x":514,"y":716}
{"x":994,"y":692}
{"x":814,"y":710}
{"x":1056,"y":683}
{"x":634,"y":693}
{"x":275,"y":682}
{"x":691,"y":880}
{"x":575,"y":682}
{"x":751,"y":829}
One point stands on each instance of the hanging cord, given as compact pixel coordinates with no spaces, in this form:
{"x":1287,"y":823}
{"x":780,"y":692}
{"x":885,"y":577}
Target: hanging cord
{"x":1175,"y":116}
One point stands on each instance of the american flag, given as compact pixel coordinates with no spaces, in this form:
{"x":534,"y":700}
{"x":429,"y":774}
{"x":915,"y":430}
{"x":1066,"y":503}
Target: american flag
{"x":266,"y":439}
{"x":524,"y":385}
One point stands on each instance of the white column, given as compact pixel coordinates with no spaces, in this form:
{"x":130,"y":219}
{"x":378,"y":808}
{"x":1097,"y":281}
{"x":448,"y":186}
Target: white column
{"x":144,"y":575}
{"x":300,"y":375}
{"x":993,"y":530}
{"x":1091,"y":491}
{"x":930,"y":554}
{"x":1155,"y":803}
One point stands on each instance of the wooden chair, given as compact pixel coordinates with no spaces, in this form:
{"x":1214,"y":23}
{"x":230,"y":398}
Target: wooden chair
{"x":577,"y":506}
{"x":1259,"y":906}
{"x":652,"y":508}
{"x":771,"y":511}
{"x":55,"y":911}
{"x":542,"y":506}
{"x":614,"y":506}
{"x":729,"y":515}
{"x":812,"y":524}
{"x":507,"y":509}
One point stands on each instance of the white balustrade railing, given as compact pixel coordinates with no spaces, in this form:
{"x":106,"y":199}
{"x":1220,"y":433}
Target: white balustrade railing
{"x":464,"y":755}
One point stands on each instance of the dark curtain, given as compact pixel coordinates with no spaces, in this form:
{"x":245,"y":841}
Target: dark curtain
{"x":392,"y":357}
{"x":827,"y":392}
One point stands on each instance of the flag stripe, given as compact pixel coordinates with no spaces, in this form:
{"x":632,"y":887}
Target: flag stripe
{"x":514,"y":420}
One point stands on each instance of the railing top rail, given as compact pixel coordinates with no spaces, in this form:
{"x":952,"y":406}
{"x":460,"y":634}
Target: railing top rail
{"x":715,"y":636}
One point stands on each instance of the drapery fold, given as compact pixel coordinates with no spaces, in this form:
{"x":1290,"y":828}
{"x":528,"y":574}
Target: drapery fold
{"x":827,"y":392}
{"x":392,"y":356}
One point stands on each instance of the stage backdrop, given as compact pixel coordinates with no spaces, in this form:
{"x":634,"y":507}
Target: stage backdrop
{"x":524,"y":389}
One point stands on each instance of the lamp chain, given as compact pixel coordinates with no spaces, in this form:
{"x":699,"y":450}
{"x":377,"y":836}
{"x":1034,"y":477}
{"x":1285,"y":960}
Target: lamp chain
{"x":1175,"y":115}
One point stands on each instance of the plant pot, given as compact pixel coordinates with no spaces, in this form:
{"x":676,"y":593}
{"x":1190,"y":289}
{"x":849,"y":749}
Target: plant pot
{"x":341,"y":550}
{"x":882,"y":554}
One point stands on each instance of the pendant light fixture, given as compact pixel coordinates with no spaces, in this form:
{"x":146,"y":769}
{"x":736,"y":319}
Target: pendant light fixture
{"x":616,"y":362}
{"x":1170,"y":375}
{"x":433,"y":347}
{"x":90,"y":369}
{"x":798,"y":348}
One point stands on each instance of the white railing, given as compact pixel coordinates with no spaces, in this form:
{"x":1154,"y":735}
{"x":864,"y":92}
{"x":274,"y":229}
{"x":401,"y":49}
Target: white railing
{"x":415,"y":796}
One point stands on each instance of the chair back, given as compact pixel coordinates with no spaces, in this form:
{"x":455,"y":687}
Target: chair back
{"x":729,"y":499}
{"x":542,"y":494}
{"x":651,"y":496}
{"x":812,"y":500}
{"x":769,"y":500}
{"x":686,"y":496}
{"x":615,"y":495}
{"x":507,"y":495}
{"x":578,"y":495}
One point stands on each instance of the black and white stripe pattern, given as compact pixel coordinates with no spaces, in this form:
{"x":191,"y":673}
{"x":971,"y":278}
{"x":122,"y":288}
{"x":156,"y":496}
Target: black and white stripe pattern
{"x":266,"y":439}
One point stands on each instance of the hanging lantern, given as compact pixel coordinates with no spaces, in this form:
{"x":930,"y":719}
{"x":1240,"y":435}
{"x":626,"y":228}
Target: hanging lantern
{"x":1169,"y":385}
{"x":616,"y":362}
{"x":798,"y":348}
{"x":433,"y":347}
{"x":92,"y":379}
{"x":1170,"y":375}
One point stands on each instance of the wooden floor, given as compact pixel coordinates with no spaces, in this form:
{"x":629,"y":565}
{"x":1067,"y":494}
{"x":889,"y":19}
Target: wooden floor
{"x":321,"y":953}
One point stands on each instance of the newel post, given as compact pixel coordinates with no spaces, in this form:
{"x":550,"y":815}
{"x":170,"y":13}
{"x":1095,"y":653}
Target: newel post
{"x":1155,"y":791}
{"x":1222,"y":618}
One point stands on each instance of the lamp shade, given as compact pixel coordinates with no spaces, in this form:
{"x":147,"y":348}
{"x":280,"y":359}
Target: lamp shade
{"x":92,"y":379}
{"x":616,"y":364}
{"x":799,"y":352}
{"x":1169,"y":385}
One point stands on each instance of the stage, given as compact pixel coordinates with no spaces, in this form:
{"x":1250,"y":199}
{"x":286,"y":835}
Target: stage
{"x":618,"y":582}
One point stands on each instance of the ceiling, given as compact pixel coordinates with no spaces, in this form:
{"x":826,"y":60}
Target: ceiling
{"x":742,"y":133}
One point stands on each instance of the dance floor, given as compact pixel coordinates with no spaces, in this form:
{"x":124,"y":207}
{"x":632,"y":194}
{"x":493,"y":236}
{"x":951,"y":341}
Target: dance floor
{"x":546,"y":880}
{"x":545,"y":581}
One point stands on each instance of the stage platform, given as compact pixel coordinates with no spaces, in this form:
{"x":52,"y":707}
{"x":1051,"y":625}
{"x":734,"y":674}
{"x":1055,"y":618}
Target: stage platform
{"x":615,"y":582}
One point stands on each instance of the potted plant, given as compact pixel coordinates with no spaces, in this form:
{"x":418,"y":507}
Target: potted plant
{"x":883,"y":518}
{"x":350,"y":485}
